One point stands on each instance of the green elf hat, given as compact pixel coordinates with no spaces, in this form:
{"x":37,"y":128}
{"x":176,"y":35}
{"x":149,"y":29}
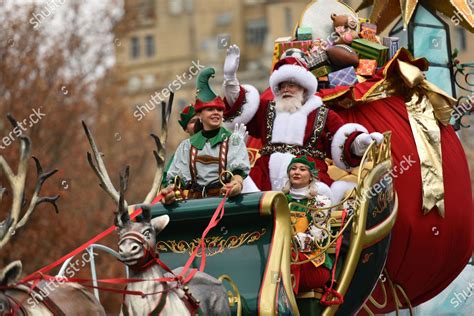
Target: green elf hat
{"x":205,"y":97}
{"x":186,"y":115}
{"x":309,"y":162}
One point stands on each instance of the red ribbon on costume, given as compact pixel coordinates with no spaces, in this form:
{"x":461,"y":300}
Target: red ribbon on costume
{"x":331,"y":296}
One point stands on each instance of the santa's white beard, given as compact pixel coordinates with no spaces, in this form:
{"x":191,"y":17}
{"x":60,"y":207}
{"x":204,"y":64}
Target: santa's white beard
{"x":289,"y":104}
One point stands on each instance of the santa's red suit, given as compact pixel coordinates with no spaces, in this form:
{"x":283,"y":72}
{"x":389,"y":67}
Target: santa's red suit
{"x":312,"y":130}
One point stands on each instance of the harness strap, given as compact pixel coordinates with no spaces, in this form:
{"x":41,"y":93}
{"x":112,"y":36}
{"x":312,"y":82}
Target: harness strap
{"x":48,"y":302}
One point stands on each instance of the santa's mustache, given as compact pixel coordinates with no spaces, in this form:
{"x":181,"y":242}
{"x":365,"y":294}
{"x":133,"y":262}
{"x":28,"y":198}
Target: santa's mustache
{"x":288,"y":102}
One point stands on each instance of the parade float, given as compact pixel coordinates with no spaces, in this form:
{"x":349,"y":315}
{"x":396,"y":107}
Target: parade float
{"x":397,"y":239}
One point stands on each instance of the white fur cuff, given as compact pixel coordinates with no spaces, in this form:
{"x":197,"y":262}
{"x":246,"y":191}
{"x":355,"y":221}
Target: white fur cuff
{"x":338,"y":142}
{"x":248,"y":109}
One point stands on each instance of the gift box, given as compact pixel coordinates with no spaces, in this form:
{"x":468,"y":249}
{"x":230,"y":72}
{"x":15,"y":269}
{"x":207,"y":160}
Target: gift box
{"x":319,"y":44}
{"x":321,"y":71}
{"x":304,"y":33}
{"x":370,"y":50}
{"x":316,"y":59}
{"x":368,"y":31}
{"x":366,"y":67}
{"x":393,"y":44}
{"x":305,"y":46}
{"x":343,"y":77}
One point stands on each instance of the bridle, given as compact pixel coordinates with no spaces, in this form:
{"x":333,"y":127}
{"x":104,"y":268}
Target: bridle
{"x":150,"y":256}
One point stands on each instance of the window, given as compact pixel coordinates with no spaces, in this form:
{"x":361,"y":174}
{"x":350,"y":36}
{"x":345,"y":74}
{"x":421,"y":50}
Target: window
{"x":134,"y":84}
{"x":461,"y":39}
{"x":135,"y":47}
{"x":149,"y":45}
{"x":149,"y":81}
{"x":288,"y":20}
{"x":175,"y":6}
{"x":255,"y":32}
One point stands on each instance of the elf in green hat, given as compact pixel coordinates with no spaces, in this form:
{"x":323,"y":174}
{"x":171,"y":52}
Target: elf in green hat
{"x":210,"y":155}
{"x":188,"y":119}
{"x":304,"y":189}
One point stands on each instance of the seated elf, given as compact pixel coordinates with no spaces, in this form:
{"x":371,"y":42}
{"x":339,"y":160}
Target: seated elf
{"x":187,"y":122}
{"x":211,"y":155}
{"x":304,"y":188}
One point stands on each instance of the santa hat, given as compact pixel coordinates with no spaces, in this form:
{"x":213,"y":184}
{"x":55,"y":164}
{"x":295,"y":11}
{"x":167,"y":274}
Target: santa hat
{"x":206,"y":98}
{"x":186,"y":115}
{"x":291,"y":69}
{"x":307,"y":161}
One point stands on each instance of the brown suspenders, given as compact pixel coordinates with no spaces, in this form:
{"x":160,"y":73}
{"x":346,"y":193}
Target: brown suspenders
{"x":206,"y":159}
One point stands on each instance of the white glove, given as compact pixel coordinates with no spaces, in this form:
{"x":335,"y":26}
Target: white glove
{"x":362,"y":142}
{"x":378,"y":137}
{"x":240,"y":130}
{"x":231,"y":63}
{"x":231,"y":83}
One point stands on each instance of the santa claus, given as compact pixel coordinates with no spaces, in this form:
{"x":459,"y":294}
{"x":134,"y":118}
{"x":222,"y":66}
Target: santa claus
{"x":291,"y":121}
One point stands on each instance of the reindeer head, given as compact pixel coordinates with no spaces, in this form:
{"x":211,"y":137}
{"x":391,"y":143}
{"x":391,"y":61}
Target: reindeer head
{"x":8,"y":277}
{"x":137,"y":239}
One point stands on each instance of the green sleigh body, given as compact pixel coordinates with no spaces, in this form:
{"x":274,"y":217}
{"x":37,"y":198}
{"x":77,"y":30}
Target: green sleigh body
{"x":251,"y":246}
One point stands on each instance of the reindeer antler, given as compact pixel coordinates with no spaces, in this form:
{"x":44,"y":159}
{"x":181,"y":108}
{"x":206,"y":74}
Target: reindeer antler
{"x":97,"y":164}
{"x":17,"y":184}
{"x":121,"y":216}
{"x":161,"y":148}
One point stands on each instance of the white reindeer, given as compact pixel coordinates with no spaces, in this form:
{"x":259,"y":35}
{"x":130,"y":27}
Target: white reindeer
{"x":138,"y":243}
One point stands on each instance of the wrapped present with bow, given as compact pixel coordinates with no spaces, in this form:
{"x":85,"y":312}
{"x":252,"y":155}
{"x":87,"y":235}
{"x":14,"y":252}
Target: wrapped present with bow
{"x":368,"y":31}
{"x":321,"y":71}
{"x":366,"y":67}
{"x":317,"y":58}
{"x":305,"y":46}
{"x":343,"y":77}
{"x":304,"y":33}
{"x":370,"y":50}
{"x":393,"y":45}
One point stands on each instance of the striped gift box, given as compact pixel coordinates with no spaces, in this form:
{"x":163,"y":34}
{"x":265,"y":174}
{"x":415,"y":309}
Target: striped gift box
{"x":370,"y":50}
{"x":392,"y":43}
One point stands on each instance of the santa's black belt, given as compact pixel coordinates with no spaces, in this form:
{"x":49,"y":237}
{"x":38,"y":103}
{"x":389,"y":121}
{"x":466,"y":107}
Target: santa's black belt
{"x":292,"y":149}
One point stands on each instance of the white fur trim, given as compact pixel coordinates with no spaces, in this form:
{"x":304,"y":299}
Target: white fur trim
{"x":339,"y":188}
{"x":323,"y":189}
{"x":295,"y":74}
{"x":249,"y":108}
{"x":339,"y":139}
{"x":278,"y":166}
{"x":249,"y":186}
{"x":289,"y":128}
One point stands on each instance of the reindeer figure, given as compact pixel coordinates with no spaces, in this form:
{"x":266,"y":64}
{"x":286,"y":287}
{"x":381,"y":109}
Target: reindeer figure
{"x":137,"y":247}
{"x":45,"y":298}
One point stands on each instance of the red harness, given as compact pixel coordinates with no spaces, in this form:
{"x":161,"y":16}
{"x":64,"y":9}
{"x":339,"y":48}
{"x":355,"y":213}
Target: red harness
{"x":151,"y":257}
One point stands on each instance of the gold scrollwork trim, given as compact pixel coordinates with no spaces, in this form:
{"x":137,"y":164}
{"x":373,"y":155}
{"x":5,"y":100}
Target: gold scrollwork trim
{"x":214,"y":244}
